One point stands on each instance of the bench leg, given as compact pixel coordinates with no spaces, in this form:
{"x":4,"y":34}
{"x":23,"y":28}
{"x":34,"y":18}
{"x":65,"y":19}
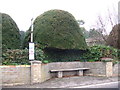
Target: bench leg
{"x":60,"y":74}
{"x":80,"y":73}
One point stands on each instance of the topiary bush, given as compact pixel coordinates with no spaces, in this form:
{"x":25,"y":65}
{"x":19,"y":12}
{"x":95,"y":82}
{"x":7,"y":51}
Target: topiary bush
{"x":10,"y":33}
{"x":58,"y":29}
{"x":59,"y":35}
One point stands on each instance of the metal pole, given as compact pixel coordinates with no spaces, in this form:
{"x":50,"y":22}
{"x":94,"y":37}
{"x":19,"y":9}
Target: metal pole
{"x":31,"y":44}
{"x":31,"y":30}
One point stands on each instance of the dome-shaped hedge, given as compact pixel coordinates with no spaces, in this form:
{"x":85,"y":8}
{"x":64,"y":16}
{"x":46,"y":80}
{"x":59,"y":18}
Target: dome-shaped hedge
{"x":10,"y":33}
{"x":58,"y":29}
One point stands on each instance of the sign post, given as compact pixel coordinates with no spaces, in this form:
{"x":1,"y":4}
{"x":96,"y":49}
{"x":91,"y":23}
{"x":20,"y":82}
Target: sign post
{"x":31,"y":51}
{"x":31,"y":44}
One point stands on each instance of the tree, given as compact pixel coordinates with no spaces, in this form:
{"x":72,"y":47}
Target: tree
{"x":114,"y":37}
{"x":84,"y":31}
{"x":26,"y":38}
{"x":10,"y":33}
{"x":94,"y":33}
{"x":22,"y":37}
{"x":103,"y":23}
{"x":80,"y":22}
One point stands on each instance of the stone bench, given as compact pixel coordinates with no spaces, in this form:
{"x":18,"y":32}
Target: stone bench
{"x":60,"y":71}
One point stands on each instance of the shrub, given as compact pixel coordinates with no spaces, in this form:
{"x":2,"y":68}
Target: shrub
{"x":20,"y":57}
{"x":99,"y":51}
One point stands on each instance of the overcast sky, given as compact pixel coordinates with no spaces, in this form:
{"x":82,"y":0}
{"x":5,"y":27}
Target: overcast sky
{"x":23,"y":10}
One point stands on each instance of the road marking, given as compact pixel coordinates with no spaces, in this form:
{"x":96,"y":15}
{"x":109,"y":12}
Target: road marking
{"x":95,"y":85}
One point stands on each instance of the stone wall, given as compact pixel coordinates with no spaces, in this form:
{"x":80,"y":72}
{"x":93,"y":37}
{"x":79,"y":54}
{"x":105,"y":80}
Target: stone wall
{"x":14,"y":75}
{"x":35,"y":72}
{"x":96,"y":68}
{"x":38,"y":72}
{"x":65,"y":65}
{"x":45,"y":72}
{"x":116,"y":70}
{"x":25,"y":74}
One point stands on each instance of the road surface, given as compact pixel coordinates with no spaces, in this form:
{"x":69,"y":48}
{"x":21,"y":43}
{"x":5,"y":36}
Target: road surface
{"x":104,"y":85}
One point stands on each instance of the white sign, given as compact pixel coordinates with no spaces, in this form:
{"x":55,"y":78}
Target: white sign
{"x":31,"y":51}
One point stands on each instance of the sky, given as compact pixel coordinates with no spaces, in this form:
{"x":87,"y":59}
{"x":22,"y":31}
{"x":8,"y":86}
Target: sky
{"x":22,"y":11}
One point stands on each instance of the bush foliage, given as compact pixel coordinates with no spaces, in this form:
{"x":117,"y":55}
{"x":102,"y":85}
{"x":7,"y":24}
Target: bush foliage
{"x":20,"y":57}
{"x":95,"y":53}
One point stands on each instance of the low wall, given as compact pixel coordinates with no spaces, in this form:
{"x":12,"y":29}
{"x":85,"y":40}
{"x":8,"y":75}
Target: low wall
{"x":38,"y":72}
{"x":45,"y":72}
{"x":116,"y":71}
{"x":65,"y":65}
{"x":25,"y":74}
{"x":96,"y":68}
{"x":14,"y":75}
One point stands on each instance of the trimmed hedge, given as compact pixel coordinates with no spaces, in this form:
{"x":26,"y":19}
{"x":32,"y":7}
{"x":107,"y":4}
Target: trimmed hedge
{"x":57,"y":29}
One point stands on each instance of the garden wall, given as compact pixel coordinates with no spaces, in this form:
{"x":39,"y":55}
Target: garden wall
{"x":45,"y":75}
{"x":38,"y":72}
{"x":14,"y":75}
{"x":25,"y":74}
{"x":65,"y":65}
{"x":96,"y":68}
{"x":116,"y":70}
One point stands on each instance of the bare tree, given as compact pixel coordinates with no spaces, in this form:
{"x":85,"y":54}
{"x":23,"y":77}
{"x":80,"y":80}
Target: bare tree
{"x":109,"y":20}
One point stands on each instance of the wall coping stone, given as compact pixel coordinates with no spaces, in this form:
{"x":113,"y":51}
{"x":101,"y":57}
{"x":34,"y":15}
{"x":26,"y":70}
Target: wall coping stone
{"x":14,"y":65}
{"x":35,"y":62}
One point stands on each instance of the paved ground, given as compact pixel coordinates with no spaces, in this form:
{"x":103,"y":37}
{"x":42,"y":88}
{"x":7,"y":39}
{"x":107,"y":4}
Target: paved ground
{"x":69,"y":82}
{"x":102,"y":85}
